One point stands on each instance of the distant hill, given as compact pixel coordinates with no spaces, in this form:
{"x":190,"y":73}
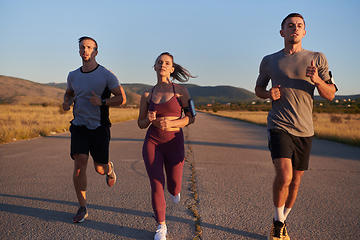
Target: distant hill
{"x":137,"y":88}
{"x":133,"y":92}
{"x":201,"y":95}
{"x":220,"y":94}
{"x":58,"y":85}
{"x":21,"y":91}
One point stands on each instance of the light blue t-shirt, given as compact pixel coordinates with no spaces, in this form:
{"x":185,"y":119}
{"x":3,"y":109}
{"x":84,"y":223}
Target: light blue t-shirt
{"x":100,"y":81}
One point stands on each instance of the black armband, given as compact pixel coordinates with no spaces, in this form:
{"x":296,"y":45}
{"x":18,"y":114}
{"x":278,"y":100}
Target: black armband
{"x":190,"y":108}
{"x":331,"y":81}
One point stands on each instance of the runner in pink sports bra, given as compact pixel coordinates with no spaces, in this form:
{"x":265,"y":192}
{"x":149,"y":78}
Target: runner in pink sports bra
{"x":161,"y":112}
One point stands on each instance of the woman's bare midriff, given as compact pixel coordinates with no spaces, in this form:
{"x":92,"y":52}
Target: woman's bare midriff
{"x":170,"y":119}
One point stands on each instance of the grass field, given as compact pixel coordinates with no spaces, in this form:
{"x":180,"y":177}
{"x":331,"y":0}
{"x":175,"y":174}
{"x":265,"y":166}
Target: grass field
{"x":343,"y":128}
{"x":19,"y":122}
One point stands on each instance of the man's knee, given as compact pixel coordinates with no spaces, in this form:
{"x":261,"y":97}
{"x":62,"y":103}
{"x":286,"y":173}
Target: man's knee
{"x":284,"y":171}
{"x":284,"y":179}
{"x":80,"y":161}
{"x":296,"y":179}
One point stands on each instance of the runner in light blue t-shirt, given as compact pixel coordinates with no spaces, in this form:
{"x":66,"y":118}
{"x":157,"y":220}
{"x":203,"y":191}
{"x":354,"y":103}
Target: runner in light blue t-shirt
{"x":90,"y":88}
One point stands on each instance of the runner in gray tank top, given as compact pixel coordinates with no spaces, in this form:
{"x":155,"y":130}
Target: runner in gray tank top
{"x":294,"y":73}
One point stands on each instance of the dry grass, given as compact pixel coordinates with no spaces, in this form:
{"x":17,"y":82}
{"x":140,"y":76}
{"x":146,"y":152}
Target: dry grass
{"x":248,"y":116}
{"x":123,"y":114}
{"x":23,"y":122}
{"x":343,"y":128}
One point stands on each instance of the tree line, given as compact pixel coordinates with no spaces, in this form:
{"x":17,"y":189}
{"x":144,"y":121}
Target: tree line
{"x":344,"y":106}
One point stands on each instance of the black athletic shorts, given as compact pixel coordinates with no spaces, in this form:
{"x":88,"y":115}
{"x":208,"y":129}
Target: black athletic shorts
{"x":96,"y":141}
{"x":284,"y":145}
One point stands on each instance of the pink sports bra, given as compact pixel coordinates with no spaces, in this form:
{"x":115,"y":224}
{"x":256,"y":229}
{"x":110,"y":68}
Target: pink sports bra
{"x":171,"y":108}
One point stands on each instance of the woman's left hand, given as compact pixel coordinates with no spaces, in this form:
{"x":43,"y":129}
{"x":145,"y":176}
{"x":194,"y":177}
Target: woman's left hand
{"x":164,"y":123}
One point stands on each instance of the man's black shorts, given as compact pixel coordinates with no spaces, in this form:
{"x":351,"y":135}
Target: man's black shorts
{"x":96,"y":141}
{"x":285,"y":145}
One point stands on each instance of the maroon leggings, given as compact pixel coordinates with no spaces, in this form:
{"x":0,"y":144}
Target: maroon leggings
{"x":163,"y":149}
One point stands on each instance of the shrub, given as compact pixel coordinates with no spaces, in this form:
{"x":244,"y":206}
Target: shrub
{"x":335,"y":119}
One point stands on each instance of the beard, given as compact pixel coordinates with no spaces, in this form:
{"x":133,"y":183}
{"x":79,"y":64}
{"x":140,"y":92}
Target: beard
{"x":295,"y":40}
{"x":86,"y":59}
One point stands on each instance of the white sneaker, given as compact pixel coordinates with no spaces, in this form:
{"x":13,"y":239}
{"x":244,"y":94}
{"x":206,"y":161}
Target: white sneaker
{"x":175,"y":199}
{"x":161,"y":232}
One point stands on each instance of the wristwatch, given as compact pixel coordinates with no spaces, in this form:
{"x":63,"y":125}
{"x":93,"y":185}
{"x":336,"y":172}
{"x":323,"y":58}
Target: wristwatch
{"x":103,"y":102}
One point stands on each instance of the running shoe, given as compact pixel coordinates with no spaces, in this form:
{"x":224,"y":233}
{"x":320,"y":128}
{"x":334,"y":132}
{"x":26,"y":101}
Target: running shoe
{"x":111,"y":177}
{"x":175,"y":199}
{"x":285,"y":233}
{"x":161,"y":232}
{"x":80,"y":216}
{"x":277,"y":231}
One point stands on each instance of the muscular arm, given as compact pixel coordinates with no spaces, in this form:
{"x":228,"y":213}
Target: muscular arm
{"x":325,"y":90}
{"x":68,"y":99}
{"x":143,"y":120}
{"x":118,"y":99}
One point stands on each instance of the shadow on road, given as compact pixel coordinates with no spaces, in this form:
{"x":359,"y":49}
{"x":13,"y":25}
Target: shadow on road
{"x":64,"y":217}
{"x":112,"y":139}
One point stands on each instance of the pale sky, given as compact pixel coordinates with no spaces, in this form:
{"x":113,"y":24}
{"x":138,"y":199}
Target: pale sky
{"x":222,"y":42}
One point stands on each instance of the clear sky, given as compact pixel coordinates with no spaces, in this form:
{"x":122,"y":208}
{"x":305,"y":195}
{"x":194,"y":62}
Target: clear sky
{"x":222,"y":41}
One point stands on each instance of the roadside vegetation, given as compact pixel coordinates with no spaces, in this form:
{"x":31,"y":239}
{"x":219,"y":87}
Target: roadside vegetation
{"x":19,"y":122}
{"x":338,"y":121}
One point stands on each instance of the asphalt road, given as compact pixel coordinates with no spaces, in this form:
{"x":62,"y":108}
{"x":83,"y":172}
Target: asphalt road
{"x":227,"y":182}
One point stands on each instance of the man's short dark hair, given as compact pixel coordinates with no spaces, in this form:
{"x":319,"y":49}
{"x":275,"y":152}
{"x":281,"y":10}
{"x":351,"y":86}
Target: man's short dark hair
{"x":90,"y":38}
{"x":290,"y":16}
